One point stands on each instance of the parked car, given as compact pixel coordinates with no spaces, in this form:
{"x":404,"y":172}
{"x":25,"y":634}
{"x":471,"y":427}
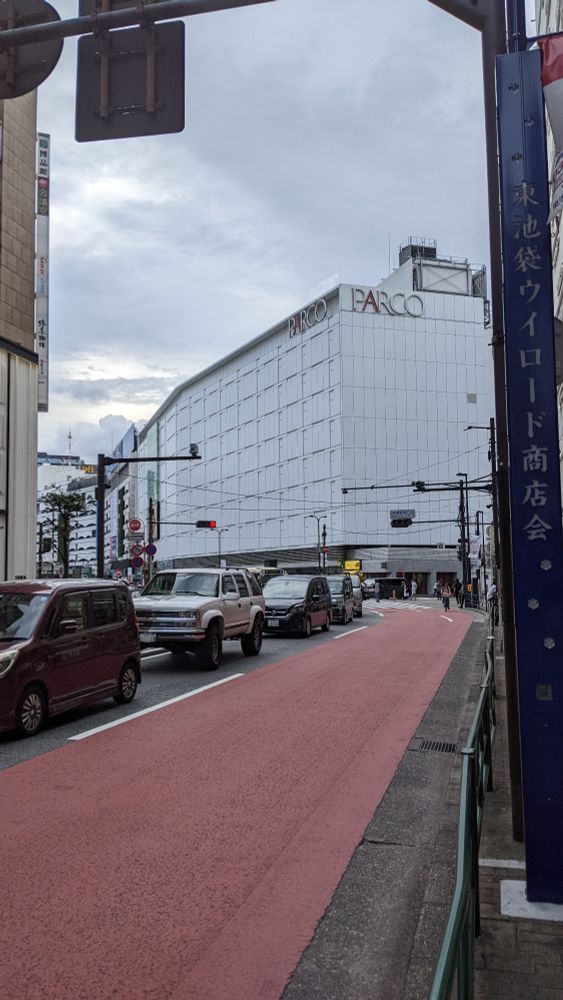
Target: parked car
{"x":368,"y":587}
{"x":64,"y":643}
{"x":357,"y":594}
{"x":194,"y":610}
{"x":297,"y":603}
{"x":342,"y":598}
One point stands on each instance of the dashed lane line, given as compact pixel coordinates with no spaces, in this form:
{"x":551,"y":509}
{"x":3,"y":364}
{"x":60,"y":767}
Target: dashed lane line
{"x":344,"y":635}
{"x":446,"y":617}
{"x":153,"y":708}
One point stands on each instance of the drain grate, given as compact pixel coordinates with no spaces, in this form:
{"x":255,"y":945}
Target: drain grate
{"x":438,"y":746}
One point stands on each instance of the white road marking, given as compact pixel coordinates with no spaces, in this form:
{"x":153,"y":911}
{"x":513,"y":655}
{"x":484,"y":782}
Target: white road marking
{"x":149,"y":656}
{"x":381,"y":615}
{"x":344,"y":635}
{"x":153,"y":708}
{"x":446,"y":617}
{"x":501,"y":863}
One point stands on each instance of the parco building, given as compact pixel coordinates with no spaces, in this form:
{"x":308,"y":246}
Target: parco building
{"x":367,"y":386}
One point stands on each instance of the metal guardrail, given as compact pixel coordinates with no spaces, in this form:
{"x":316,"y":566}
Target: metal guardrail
{"x":457,"y":955}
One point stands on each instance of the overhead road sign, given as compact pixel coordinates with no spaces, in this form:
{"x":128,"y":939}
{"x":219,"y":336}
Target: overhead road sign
{"x":396,"y":514}
{"x":130,"y":83}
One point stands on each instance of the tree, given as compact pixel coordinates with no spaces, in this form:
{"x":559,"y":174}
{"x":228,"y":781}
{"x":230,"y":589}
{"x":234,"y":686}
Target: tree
{"x":65,"y":506}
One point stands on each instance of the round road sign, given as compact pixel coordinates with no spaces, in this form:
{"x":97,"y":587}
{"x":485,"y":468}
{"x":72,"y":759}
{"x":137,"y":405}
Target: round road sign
{"x":137,"y":562}
{"x":150,"y":549}
{"x":32,"y":63}
{"x":136,"y":550}
{"x":135,"y":524}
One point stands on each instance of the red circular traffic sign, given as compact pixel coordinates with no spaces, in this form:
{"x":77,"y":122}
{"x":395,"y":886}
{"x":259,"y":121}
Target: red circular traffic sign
{"x":136,"y":550}
{"x":135,"y":524}
{"x":150,"y":549}
{"x":137,"y":562}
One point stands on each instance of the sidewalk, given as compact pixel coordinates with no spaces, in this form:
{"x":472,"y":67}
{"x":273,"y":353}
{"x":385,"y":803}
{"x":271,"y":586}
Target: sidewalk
{"x":514,"y":958}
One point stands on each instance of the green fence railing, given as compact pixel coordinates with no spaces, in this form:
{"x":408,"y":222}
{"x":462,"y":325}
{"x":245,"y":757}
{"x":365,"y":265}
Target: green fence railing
{"x":456,"y":962}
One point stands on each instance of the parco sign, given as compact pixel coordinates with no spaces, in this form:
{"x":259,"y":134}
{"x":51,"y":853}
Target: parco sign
{"x":392,"y":303}
{"x":306,"y":318}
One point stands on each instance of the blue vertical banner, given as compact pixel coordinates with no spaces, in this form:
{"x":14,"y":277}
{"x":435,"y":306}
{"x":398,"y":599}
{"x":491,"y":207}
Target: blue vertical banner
{"x":535,"y":491}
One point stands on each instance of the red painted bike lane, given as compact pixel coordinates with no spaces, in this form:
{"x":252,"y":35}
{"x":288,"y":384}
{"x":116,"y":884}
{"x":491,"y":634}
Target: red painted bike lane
{"x":190,"y":853}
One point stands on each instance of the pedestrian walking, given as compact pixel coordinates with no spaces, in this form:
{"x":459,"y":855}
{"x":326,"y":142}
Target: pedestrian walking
{"x":414,"y":588}
{"x":446,"y":594}
{"x":437,"y":589}
{"x":376,"y":590}
{"x":457,"y":590}
{"x":405,"y":590}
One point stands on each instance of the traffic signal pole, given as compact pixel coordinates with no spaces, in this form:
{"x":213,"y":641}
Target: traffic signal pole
{"x":92,"y":24}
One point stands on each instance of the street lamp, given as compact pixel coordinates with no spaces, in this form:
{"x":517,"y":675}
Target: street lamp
{"x":318,"y":518}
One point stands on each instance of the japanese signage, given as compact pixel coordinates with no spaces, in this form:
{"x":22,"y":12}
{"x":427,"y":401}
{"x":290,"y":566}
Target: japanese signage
{"x":42,"y":271}
{"x":390,"y":303}
{"x":534,"y":464}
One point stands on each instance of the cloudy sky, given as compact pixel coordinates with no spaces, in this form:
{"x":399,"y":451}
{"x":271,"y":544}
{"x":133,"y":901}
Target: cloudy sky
{"x":320,"y":134}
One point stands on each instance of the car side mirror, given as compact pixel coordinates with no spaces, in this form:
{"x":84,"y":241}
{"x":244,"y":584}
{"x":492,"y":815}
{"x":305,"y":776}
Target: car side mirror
{"x":67,"y":626}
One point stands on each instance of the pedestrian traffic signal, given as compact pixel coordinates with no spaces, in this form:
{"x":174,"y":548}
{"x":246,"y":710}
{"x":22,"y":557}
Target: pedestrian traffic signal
{"x":206,"y":524}
{"x":401,"y":522}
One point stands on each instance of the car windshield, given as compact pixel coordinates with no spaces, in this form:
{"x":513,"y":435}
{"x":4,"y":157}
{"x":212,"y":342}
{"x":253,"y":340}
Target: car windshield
{"x":284,"y":586}
{"x":196,"y":584}
{"x":335,"y":584}
{"x":19,"y":614}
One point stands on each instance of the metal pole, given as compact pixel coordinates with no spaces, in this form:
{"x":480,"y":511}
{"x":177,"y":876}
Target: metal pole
{"x":495,"y":494}
{"x":319,"y":542}
{"x":488,"y":17}
{"x":96,"y":23}
{"x":40,"y":554}
{"x":324,"y":547}
{"x":100,"y":507}
{"x":463,"y":539}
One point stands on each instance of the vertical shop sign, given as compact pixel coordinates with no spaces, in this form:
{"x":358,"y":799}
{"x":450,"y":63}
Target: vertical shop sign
{"x":535,"y":493}
{"x":42,"y":271}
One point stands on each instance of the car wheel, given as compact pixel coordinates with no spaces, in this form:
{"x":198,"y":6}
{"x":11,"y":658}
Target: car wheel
{"x":31,"y":711}
{"x":209,"y":652}
{"x":252,"y":643}
{"x":326,"y":625}
{"x":306,"y":628}
{"x":127,"y":685}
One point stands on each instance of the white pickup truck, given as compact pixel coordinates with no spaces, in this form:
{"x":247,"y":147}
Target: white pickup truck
{"x":194,"y":610}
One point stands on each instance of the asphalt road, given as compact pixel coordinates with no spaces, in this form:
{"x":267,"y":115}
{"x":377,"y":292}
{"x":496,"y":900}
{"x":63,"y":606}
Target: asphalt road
{"x":166,"y":676}
{"x":191,"y":852}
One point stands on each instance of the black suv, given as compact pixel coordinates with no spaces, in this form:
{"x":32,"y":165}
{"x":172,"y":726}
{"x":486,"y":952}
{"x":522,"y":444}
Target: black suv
{"x":297,"y":604}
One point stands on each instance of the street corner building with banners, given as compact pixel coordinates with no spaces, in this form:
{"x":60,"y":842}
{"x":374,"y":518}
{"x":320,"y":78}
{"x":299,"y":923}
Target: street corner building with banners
{"x":23,"y":343}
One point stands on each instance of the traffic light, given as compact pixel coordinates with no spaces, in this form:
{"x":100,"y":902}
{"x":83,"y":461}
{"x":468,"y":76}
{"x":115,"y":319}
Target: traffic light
{"x":206,"y":524}
{"x":459,"y":550}
{"x":419,"y":486}
{"x":401,"y":522}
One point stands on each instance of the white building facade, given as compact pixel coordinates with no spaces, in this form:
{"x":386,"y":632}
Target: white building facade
{"x":366,"y":386}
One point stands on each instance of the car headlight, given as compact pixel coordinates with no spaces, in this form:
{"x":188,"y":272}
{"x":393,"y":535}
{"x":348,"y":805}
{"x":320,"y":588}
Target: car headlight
{"x":7,"y":660}
{"x":190,"y":618}
{"x":298,"y":607}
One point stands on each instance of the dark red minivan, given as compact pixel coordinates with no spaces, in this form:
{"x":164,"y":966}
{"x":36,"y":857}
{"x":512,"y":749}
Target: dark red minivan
{"x":64,"y":643}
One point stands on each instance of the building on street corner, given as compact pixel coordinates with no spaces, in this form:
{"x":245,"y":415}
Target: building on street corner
{"x":366,"y":385}
{"x":18,"y":357}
